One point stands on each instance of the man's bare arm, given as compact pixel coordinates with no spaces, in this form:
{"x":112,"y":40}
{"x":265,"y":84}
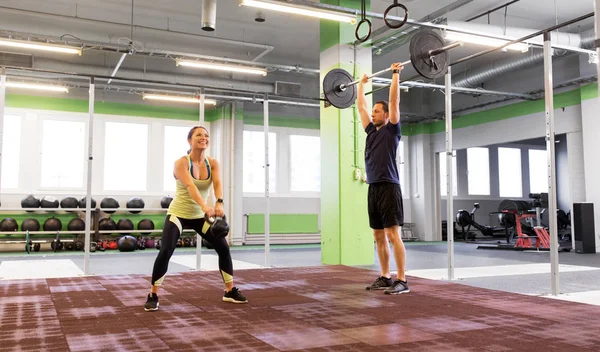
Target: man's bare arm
{"x":361,"y":103}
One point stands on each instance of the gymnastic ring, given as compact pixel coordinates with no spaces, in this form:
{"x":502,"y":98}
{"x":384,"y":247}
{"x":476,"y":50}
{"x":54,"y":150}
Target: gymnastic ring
{"x":394,"y":5}
{"x":358,"y":27}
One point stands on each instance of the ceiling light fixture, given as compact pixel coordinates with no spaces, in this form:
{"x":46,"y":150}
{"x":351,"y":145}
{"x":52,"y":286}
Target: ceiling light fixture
{"x":40,"y":46}
{"x":177,"y":98}
{"x":36,"y":86}
{"x":222,"y":67}
{"x":299,"y":10}
{"x":474,"y":39}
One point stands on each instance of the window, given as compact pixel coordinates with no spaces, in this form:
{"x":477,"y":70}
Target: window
{"x":538,"y":171}
{"x":63,"y":150}
{"x":305,"y":163}
{"x":400,"y":163}
{"x":175,"y":146}
{"x":254,"y":161}
{"x":11,"y":149}
{"x":478,"y":171}
{"x":125,"y":156}
{"x":509,"y":172}
{"x":443,"y":182}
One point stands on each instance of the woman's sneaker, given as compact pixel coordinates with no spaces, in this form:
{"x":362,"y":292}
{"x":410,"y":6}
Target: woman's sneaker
{"x":234,"y":296}
{"x":151,"y":303}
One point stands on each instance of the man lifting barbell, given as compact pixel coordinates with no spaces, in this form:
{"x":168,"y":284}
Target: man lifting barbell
{"x":385,"y":207}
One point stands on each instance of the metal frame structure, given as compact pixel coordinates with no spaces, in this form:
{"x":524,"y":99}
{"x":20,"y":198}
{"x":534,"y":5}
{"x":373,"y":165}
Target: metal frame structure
{"x":550,"y":146}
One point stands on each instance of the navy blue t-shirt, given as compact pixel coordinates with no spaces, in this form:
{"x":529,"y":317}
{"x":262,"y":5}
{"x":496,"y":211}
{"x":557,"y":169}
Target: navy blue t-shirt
{"x":380,"y":153}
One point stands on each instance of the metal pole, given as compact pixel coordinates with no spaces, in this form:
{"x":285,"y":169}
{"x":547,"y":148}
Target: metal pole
{"x":597,"y":41}
{"x":198,"y":237}
{"x":231,"y":171}
{"x":88,"y":194}
{"x":267,"y":213}
{"x":2,"y":103}
{"x":549,"y":91}
{"x":449,"y":180}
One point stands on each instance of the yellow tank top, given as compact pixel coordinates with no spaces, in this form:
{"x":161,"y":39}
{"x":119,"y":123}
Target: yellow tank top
{"x":183,"y":206}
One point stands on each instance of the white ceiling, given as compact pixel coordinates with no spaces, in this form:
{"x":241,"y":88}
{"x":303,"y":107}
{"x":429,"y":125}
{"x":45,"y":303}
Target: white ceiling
{"x":294,"y":40}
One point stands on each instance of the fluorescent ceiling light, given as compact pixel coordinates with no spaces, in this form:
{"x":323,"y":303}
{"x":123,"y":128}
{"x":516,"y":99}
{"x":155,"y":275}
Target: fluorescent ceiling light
{"x":40,"y":46}
{"x":36,"y":86}
{"x":180,"y":99}
{"x":474,"y":39}
{"x":222,"y":67}
{"x":299,"y":10}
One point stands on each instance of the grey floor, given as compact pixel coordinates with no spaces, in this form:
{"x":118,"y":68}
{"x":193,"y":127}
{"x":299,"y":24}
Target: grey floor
{"x":420,"y":256}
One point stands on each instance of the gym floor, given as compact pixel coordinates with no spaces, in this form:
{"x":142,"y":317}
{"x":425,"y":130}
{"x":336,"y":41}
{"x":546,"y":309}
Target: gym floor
{"x":299,"y":304}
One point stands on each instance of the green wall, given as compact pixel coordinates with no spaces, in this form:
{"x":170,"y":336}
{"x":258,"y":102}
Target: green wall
{"x":284,"y":223}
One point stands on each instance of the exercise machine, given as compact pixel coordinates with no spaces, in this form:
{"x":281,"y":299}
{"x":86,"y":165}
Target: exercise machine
{"x":466,"y":219}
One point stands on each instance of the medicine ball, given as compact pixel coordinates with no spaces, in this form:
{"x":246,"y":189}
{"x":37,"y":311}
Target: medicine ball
{"x":109,"y":203}
{"x":145,"y":224}
{"x":93,"y":246}
{"x":82,"y":203}
{"x":76,"y":224}
{"x":30,"y":224}
{"x":49,"y":202}
{"x":165,"y":202}
{"x":69,"y":203}
{"x":149,"y":242}
{"x":107,"y":224}
{"x":135,"y":203}
{"x":127,"y":244}
{"x":52,"y":224}
{"x":36,"y":247}
{"x":30,"y":202}
{"x":9,"y":225}
{"x":124,"y":225}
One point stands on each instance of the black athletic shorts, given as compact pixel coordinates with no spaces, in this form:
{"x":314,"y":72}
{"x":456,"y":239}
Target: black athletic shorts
{"x":385,"y":205}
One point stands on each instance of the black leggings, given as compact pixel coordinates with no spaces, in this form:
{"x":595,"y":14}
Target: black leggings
{"x":171,"y":232}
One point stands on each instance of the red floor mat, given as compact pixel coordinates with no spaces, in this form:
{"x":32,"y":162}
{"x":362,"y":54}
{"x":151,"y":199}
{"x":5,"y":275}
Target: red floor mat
{"x":314,"y":308}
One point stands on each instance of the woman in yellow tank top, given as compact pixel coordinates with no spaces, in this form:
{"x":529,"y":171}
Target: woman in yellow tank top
{"x":194,"y":174}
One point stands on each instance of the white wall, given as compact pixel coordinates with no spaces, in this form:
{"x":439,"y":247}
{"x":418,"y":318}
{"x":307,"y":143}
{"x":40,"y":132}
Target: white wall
{"x":591,"y":146}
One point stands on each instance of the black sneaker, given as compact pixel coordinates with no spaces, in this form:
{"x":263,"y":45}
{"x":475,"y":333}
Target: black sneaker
{"x":397,"y":288}
{"x":234,"y":296}
{"x":151,"y":303}
{"x":381,"y":283}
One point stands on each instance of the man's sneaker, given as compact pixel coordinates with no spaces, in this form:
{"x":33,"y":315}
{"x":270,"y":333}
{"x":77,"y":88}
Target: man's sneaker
{"x":381,"y":283}
{"x":397,"y":288}
{"x":234,"y":296}
{"x":151,"y":303}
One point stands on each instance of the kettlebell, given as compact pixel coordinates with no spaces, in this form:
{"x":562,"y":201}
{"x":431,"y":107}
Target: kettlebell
{"x":217,"y":226}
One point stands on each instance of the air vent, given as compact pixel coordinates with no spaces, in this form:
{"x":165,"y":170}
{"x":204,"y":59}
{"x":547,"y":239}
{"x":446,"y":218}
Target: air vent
{"x":287,"y":89}
{"x":17,"y":60}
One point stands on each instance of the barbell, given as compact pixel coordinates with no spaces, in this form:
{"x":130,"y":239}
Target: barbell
{"x":428,"y":55}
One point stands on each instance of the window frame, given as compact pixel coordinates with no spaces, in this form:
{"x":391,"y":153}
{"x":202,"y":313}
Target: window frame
{"x":489,"y":190}
{"x":61,"y":116}
{"x":308,"y":133}
{"x":17,"y":189}
{"x":520,"y":150}
{"x":101,"y":186}
{"x":278,"y":178}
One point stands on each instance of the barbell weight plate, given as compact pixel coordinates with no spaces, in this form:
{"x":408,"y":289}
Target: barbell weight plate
{"x":336,"y":97}
{"x":420,"y":45}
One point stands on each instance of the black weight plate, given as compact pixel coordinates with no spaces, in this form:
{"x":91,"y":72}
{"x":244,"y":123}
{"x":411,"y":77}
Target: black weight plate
{"x":420,"y":45}
{"x":340,"y":99}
